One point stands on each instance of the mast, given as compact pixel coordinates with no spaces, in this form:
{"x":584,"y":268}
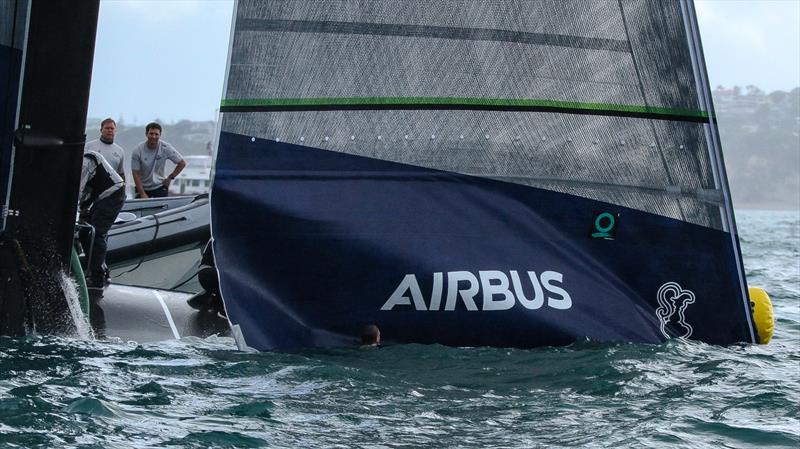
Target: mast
{"x":47,"y":153}
{"x":715,"y":151}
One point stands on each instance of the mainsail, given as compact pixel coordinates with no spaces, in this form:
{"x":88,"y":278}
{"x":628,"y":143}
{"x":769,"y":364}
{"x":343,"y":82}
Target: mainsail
{"x":511,"y":173}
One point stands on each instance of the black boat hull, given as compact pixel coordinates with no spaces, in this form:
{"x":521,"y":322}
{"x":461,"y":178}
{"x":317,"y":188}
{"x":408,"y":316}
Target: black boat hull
{"x":160,"y":250}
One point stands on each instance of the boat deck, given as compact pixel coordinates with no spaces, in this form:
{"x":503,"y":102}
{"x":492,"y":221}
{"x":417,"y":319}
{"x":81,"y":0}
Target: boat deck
{"x":147,"y":315}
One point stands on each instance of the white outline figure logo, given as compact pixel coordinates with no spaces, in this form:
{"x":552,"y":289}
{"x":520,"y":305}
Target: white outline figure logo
{"x":673,"y":299}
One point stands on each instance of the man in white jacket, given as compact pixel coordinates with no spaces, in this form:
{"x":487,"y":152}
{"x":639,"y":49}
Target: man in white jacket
{"x":102,"y":197}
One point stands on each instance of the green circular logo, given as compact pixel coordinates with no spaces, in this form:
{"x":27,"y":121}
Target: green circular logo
{"x":598,"y":222}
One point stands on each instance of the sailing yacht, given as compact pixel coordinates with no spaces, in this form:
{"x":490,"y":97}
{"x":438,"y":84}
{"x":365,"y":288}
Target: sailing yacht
{"x":504,"y":173}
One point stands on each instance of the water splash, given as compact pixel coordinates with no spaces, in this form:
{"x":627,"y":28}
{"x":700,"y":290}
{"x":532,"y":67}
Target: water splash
{"x":57,"y":392}
{"x":80,"y":321}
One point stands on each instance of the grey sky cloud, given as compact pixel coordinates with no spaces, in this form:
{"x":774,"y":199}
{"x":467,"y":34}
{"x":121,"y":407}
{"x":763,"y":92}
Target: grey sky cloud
{"x":751,"y":42}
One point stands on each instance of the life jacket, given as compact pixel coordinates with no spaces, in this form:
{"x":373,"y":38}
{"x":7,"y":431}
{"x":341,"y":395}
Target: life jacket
{"x":99,"y":183}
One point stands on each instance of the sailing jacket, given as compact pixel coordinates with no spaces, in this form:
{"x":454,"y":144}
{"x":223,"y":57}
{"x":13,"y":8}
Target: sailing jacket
{"x":98,"y":179}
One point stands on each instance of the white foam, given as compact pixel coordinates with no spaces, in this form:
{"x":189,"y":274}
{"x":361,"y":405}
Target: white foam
{"x":82,"y":328}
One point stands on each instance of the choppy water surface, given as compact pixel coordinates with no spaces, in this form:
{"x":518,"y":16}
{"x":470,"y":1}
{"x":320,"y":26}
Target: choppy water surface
{"x":203,"y":393}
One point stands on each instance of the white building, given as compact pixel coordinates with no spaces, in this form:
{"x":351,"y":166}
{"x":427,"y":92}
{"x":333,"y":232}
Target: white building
{"x":195,"y":178}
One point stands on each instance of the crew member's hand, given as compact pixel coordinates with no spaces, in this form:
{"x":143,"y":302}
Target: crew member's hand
{"x":166,"y":182}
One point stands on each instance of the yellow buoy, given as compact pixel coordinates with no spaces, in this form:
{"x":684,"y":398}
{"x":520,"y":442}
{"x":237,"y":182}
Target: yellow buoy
{"x":763,"y":316}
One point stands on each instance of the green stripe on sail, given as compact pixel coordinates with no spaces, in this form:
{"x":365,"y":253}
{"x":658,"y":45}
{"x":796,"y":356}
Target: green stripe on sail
{"x":461,"y":102}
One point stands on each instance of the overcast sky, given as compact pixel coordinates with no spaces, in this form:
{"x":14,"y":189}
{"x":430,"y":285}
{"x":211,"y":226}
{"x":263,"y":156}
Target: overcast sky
{"x":166,"y":59}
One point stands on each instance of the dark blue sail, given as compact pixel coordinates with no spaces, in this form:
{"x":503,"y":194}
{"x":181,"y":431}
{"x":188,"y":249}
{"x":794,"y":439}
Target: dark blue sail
{"x":496,"y":173}
{"x":314,"y":244}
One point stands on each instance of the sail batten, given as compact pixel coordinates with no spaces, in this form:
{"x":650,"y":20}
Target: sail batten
{"x":451,"y":103}
{"x":440,"y":32}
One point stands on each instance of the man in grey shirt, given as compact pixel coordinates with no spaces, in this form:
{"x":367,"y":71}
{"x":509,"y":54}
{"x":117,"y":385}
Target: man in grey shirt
{"x":113,"y":153}
{"x":148,"y":160}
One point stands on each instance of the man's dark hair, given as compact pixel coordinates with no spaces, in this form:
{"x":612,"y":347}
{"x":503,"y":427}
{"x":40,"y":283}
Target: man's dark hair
{"x":108,"y":120}
{"x":152,"y":125}
{"x":370,"y":334}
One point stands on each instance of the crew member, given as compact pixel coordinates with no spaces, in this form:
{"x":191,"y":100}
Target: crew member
{"x":102,"y":197}
{"x":105,"y":145}
{"x":370,"y":335}
{"x":148,"y":160}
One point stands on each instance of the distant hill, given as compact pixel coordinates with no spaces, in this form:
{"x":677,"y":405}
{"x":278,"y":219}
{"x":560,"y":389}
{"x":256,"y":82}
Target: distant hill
{"x":760,"y":135}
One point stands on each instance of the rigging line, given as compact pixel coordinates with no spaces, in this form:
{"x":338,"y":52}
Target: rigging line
{"x":460,"y":103}
{"x":695,"y":53}
{"x":428,"y":31}
{"x":13,"y":41}
{"x":715,"y":149}
{"x":9,"y":72}
{"x":129,"y":229}
{"x":147,"y":252}
{"x":644,"y":99}
{"x":15,"y":114}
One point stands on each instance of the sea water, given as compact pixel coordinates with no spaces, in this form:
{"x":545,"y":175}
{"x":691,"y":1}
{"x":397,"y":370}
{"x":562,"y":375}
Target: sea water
{"x":57,"y":392}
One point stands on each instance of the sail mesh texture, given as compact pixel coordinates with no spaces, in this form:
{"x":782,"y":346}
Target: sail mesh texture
{"x":630,"y":54}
